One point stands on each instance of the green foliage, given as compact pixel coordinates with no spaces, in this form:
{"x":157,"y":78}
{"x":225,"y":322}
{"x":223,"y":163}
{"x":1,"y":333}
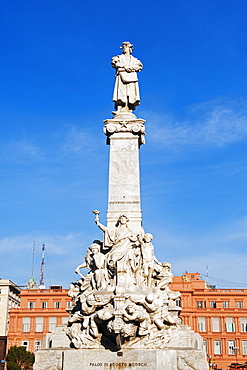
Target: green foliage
{"x":18,"y":358}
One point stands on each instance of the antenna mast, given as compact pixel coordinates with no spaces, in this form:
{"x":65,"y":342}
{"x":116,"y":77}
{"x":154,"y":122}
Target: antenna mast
{"x":41,"y":282}
{"x":33,"y":249}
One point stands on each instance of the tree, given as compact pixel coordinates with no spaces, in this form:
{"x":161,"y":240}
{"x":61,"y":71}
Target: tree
{"x":18,"y":358}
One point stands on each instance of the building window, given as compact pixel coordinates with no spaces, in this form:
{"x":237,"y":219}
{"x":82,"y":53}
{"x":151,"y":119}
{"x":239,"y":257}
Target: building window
{"x":244,"y":347}
{"x":56,"y":304}
{"x":201,"y":324}
{"x":69,"y":304}
{"x":52,"y":323}
{"x":200,"y":304}
{"x":215,"y":324}
{"x":65,"y":320}
{"x":217,"y":347}
{"x":37,"y":345}
{"x":212,"y":304}
{"x":30,"y":304}
{"x":243,"y":322}
{"x":39,"y":324}
{"x":205,"y":345}
{"x":230,"y":327}
{"x":239,"y":304}
{"x":178,"y":302}
{"x":231,"y":347}
{"x":25,"y":343}
{"x":26,"y":324}
{"x":44,"y":304}
{"x":226,"y":304}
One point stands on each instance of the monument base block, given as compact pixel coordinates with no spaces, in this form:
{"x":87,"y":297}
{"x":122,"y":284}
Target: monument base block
{"x":129,"y":359}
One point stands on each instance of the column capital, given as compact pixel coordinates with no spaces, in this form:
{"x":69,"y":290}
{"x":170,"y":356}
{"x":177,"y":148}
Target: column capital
{"x":124,"y":125}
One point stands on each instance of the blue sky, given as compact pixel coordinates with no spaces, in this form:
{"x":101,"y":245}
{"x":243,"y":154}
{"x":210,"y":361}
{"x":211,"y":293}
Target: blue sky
{"x":56,"y":85}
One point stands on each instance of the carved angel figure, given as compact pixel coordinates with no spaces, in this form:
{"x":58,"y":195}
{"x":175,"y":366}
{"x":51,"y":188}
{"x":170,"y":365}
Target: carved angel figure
{"x":148,"y":257}
{"x":140,"y":315}
{"x":95,"y":262}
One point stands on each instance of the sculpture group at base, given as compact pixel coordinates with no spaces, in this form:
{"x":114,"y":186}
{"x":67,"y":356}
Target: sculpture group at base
{"x":125,"y":297}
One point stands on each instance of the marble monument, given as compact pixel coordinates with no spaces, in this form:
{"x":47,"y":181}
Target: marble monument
{"x":124,"y":315}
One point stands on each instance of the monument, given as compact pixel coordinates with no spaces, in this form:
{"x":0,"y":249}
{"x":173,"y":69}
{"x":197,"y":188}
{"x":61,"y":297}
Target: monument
{"x":124,"y":315}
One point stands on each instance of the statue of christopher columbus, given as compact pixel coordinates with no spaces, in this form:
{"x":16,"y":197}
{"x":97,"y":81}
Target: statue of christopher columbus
{"x":126,"y":91}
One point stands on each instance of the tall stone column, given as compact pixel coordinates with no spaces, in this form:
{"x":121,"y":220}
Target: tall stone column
{"x":125,"y":134}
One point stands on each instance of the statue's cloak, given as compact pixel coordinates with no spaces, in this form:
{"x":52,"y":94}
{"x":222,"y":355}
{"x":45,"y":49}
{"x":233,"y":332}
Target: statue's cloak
{"x":120,"y":241}
{"x":126,"y":85}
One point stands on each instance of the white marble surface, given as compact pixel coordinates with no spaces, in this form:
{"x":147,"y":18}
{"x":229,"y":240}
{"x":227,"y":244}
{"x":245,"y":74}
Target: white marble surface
{"x":131,"y":359}
{"x":124,"y":315}
{"x":124,"y":180}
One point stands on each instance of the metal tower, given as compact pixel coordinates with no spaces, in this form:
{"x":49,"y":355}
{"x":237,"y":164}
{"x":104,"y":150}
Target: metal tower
{"x":42,"y":267}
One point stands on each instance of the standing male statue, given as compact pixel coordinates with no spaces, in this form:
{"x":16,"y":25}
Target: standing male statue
{"x":126,"y":91}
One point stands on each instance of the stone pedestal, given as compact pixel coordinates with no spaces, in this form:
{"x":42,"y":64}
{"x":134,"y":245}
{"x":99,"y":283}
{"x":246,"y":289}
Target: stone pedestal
{"x":131,"y":359}
{"x":181,"y":349}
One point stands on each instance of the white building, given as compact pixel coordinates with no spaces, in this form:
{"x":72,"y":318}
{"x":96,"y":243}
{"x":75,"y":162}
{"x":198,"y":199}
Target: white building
{"x":9,"y":298}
